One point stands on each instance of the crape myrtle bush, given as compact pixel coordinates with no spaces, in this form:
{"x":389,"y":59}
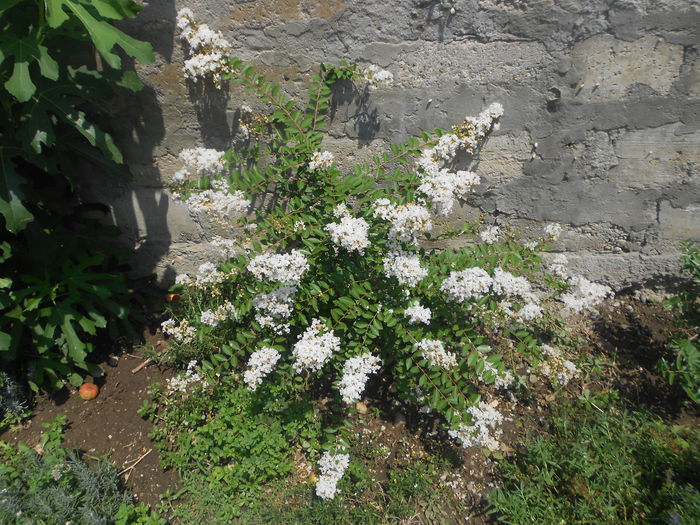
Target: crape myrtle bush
{"x":327,"y":284}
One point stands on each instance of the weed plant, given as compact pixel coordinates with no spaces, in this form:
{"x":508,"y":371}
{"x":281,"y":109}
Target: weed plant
{"x":54,"y":487}
{"x":685,"y":369}
{"x":603,"y":467}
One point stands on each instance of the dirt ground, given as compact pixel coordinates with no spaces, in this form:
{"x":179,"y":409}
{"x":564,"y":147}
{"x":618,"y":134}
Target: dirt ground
{"x":109,"y":425}
{"x":629,"y":336}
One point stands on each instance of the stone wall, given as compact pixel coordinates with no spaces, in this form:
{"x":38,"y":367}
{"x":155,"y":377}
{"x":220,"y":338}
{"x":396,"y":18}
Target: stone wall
{"x":600,"y":132}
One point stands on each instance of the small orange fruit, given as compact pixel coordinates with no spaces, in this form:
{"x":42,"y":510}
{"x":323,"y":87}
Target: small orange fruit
{"x":172,"y":297}
{"x":89,"y":391}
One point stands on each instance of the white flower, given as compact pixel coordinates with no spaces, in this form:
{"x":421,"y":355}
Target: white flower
{"x":286,"y":268}
{"x":443,"y":186}
{"x":553,"y":230}
{"x":502,"y":380}
{"x":180,"y":383}
{"x":530,"y":312}
{"x":219,"y":203}
{"x":485,"y":417}
{"x":434,"y":351}
{"x":505,"y":283}
{"x":274,"y":307}
{"x":202,"y":162}
{"x":557,"y":265}
{"x":407,"y":220}
{"x":208,"y":274}
{"x":331,"y":467}
{"x":490,"y":234}
{"x":214,"y":317}
{"x":356,"y":371}
{"x":376,"y":76}
{"x":182,"y":333}
{"x":227,"y":247}
{"x":584,"y":294}
{"x":467,"y":284}
{"x":320,"y":160}
{"x":260,"y":364}
{"x":314,"y":347}
{"x":350,"y":233}
{"x":417,"y":314}
{"x":405,"y":266}
{"x":209,"y":50}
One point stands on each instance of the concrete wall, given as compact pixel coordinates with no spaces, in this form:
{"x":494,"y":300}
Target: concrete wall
{"x":601,"y":130}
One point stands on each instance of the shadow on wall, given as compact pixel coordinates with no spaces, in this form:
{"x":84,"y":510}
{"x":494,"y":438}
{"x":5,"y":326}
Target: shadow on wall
{"x":139,"y":206}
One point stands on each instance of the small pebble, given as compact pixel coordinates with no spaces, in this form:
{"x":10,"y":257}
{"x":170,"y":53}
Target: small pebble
{"x":361,"y":407}
{"x":113,"y":360}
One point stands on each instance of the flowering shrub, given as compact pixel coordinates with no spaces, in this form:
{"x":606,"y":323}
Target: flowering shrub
{"x":330,"y":283}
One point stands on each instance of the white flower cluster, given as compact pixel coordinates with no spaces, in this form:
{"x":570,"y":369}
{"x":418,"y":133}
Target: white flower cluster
{"x":442,"y":187}
{"x":553,"y":230}
{"x":506,"y":284}
{"x":558,"y":367}
{"x":314,"y":347}
{"x":218,"y":201}
{"x":182,"y":333}
{"x":208,"y":275}
{"x":434,"y":351}
{"x":481,"y":125}
{"x":275,"y":306}
{"x":376,"y":76}
{"x":417,"y":314}
{"x":321,"y":160}
{"x":405,"y":266}
{"x":208,"y":49}
{"x":350,"y":232}
{"x":356,"y":371}
{"x":332,"y":467}
{"x":261,"y":363}
{"x":485,"y":417}
{"x":407,"y":220}
{"x":227,"y":247}
{"x":214,"y":317}
{"x":584,"y":294}
{"x":200,"y":162}
{"x":180,"y":383}
{"x":476,"y":282}
{"x":466,"y":284}
{"x":490,"y":235}
{"x":285,"y":268}
{"x":557,"y":265}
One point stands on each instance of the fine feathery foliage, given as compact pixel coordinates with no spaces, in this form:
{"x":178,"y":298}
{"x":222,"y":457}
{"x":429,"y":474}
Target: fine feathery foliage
{"x":685,"y":369}
{"x":611,"y":467}
{"x":55,"y":487}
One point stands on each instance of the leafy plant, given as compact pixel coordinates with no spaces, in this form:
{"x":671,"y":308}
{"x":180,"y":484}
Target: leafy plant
{"x":55,"y":486}
{"x":610,"y":467}
{"x":58,"y":59}
{"x":229,"y":441}
{"x":43,"y":117}
{"x":685,"y":369}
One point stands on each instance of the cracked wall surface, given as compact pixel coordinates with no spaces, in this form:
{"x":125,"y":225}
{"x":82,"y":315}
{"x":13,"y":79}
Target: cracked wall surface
{"x":601,"y":131}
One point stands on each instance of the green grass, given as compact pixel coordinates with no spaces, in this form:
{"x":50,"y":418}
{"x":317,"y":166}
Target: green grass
{"x":610,"y":467}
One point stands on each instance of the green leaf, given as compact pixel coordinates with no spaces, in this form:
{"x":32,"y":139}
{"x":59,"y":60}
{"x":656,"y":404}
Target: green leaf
{"x":16,"y":215}
{"x":105,"y":37}
{"x":55,"y":13}
{"x":20,"y":84}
